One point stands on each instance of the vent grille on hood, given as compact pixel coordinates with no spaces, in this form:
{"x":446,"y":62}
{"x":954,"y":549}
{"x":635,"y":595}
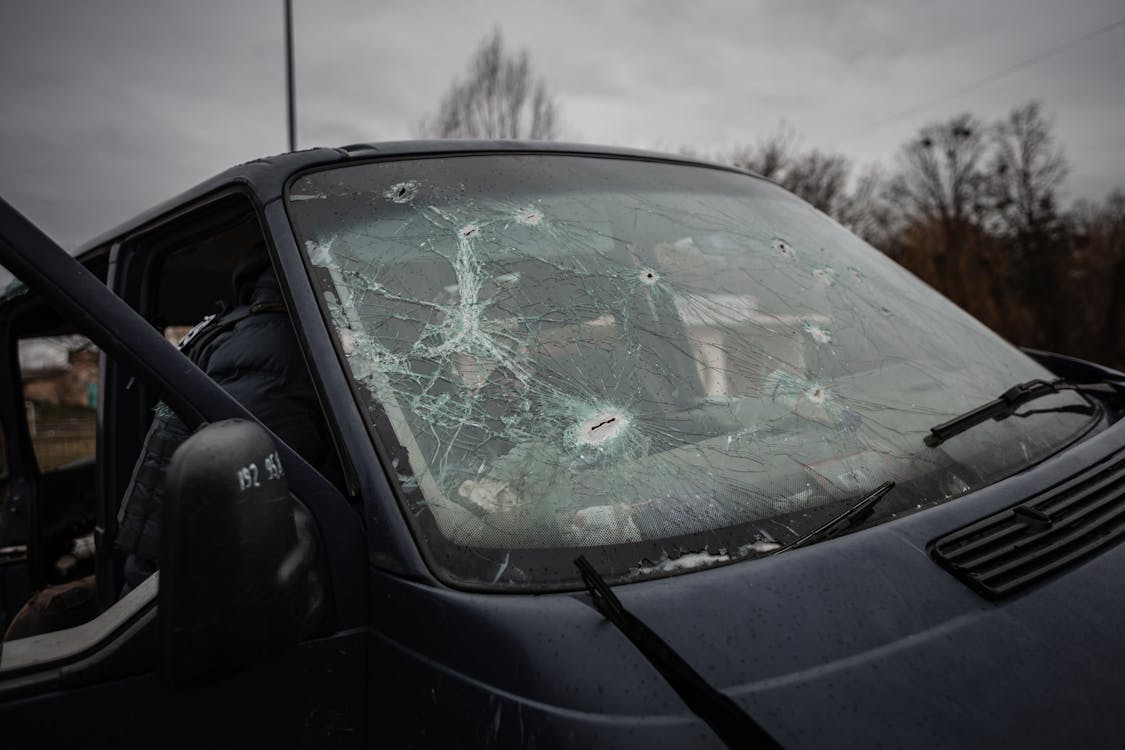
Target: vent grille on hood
{"x":1017,"y":547}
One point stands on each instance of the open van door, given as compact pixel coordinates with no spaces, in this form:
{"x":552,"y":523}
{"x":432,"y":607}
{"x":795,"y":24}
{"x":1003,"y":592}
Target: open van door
{"x":48,"y":471}
{"x":117,"y":676}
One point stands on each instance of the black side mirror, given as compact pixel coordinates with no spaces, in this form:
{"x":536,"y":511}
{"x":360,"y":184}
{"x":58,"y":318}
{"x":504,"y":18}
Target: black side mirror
{"x":233,"y":565}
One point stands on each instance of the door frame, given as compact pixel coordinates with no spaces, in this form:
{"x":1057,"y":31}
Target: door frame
{"x":124,"y":335}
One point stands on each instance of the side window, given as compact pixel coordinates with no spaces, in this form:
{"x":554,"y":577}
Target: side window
{"x":50,"y":411}
{"x":211,"y":274}
{"x":250,"y":347}
{"x":59,"y":380}
{"x":60,"y":390}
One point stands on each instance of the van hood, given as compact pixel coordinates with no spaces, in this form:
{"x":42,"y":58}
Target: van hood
{"x":859,"y":640}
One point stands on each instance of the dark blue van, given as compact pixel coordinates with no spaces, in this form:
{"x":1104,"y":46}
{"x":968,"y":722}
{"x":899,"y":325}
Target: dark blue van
{"x":634,"y":451}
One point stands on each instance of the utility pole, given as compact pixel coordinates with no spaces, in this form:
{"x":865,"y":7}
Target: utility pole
{"x":289,"y":96}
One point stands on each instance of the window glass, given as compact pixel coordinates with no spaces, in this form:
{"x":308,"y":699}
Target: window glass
{"x":60,"y":390}
{"x":674,"y":366}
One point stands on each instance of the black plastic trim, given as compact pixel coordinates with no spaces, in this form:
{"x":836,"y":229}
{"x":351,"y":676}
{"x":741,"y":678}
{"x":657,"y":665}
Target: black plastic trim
{"x":1015,"y":548}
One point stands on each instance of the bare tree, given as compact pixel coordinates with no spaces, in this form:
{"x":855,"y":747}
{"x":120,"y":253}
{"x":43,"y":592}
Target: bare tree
{"x":498,"y":100}
{"x":820,"y":178}
{"x":771,"y":157}
{"x":939,"y":201}
{"x":1090,"y":282}
{"x":941,"y":177}
{"x":866,"y":211}
{"x":1027,"y":170}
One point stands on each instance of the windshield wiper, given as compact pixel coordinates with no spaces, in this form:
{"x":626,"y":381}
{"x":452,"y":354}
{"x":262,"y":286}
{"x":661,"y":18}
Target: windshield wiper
{"x":856,"y":514}
{"x":1006,"y":405}
{"x":729,"y":721}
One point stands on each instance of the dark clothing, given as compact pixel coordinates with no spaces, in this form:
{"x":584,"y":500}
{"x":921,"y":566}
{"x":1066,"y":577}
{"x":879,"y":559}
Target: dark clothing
{"x":253,"y":353}
{"x":138,"y":519}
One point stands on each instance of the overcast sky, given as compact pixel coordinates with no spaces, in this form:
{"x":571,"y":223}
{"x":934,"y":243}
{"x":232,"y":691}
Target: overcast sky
{"x":109,"y":107}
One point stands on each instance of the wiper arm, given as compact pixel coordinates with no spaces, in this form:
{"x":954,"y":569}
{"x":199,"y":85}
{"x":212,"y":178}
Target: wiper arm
{"x":1006,"y":405}
{"x":858,"y":513}
{"x":734,"y":726}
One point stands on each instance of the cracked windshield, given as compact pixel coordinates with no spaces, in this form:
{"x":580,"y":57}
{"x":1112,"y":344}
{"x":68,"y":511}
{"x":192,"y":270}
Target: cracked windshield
{"x":664,"y":367}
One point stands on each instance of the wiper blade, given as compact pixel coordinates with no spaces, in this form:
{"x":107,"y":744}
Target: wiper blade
{"x":1006,"y":405}
{"x":856,"y":514}
{"x":734,"y":726}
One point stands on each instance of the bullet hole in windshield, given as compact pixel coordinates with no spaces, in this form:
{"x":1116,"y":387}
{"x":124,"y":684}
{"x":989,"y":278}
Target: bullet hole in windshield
{"x":402,"y":192}
{"x":826,"y":276}
{"x":601,"y":428}
{"x":819,"y":334}
{"x":782,"y":247}
{"x":531,"y":217}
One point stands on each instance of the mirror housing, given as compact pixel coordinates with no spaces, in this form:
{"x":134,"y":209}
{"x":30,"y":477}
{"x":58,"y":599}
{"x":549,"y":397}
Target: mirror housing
{"x":235,"y":563}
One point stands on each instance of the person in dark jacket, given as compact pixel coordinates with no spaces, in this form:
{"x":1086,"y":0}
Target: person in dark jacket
{"x":252,"y":352}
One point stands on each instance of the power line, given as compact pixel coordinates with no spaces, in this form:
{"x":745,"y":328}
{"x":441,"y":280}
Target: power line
{"x":987,"y":79}
{"x":290,"y":97}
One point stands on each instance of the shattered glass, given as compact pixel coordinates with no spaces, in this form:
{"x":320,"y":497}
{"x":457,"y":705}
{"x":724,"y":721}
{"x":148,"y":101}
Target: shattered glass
{"x":670,"y":366}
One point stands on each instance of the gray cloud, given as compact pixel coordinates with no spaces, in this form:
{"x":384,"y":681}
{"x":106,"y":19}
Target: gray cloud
{"x":110,"y":107}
